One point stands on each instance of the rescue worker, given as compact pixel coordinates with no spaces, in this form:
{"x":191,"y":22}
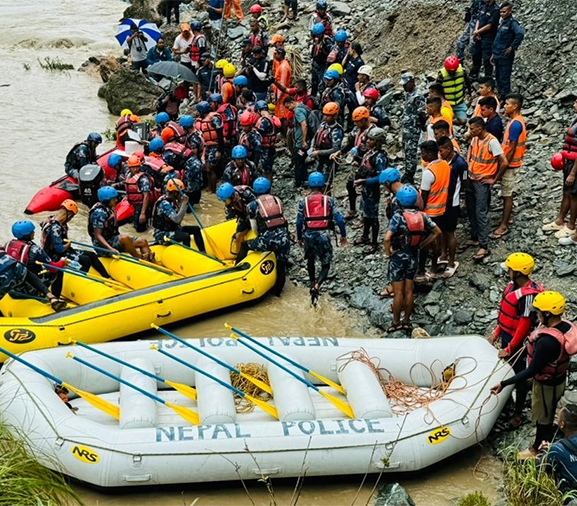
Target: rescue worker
{"x":258,"y":73}
{"x":378,"y":114}
{"x":209,"y":124}
{"x":160,"y":121}
{"x":206,"y":74}
{"x":333,"y":92}
{"x":321,"y":16}
{"x":281,"y":86}
{"x":156,"y":147}
{"x":139,"y":193}
{"x":193,"y":138}
{"x":228,"y":6}
{"x":236,"y":200}
{"x":198,"y":46}
{"x":455,"y":82}
{"x":515,"y":322}
{"x":271,"y":228}
{"x":103,"y":228}
{"x":316,"y":215}
{"x":408,"y":231}
{"x":168,"y":213}
{"x":412,"y":122}
{"x":240,"y":170}
{"x":229,"y":116}
{"x":373,"y":163}
{"x":436,"y":91}
{"x":82,"y":153}
{"x":433,"y":110}
{"x":258,"y":36}
{"x":340,"y":47}
{"x":256,"y":12}
{"x":268,"y":126}
{"x":354,"y":65}
{"x":228,"y":89}
{"x":483,"y":37}
{"x":549,"y":350}
{"x":466,"y":38}
{"x":320,"y":50}
{"x":301,"y":134}
{"x":442,"y":129}
{"x":192,"y":179}
{"x":250,"y":137}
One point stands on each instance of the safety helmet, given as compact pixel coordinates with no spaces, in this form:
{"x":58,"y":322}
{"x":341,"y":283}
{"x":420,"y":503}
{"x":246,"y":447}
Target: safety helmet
{"x":366,"y":70}
{"x":371,"y":93}
{"x":360,"y":113}
{"x":331,"y":74}
{"x":322,"y":4}
{"x":240,"y":81}
{"x":114,"y":160}
{"x":520,"y":262}
{"x":133,"y":161}
{"x":271,"y":107}
{"x":407,"y":196}
{"x":167,"y":134}
{"x":203,"y":107}
{"x":106,"y":193}
{"x":331,"y":108}
{"x":451,"y":63}
{"x":126,"y":112}
{"x":557,"y":161}
{"x":338,"y":67}
{"x":94,"y":137}
{"x":174,"y":185}
{"x":22,"y":229}
{"x":255,"y":9}
{"x":247,"y":118}
{"x":134,"y":118}
{"x":378,"y":134}
{"x":156,"y":145}
{"x":261,"y":105}
{"x":550,"y":302}
{"x":70,"y":205}
{"x":215,"y":97}
{"x":261,"y":185}
{"x":139,"y":155}
{"x":186,"y":121}
{"x":316,"y":180}
{"x":229,"y":70}
{"x":195,"y":25}
{"x":220,"y":64}
{"x":341,"y":35}
{"x":318,"y":29}
{"x":277,"y":38}
{"x":225,"y":191}
{"x":390,"y":175}
{"x":162,"y":118}
{"x":239,"y":152}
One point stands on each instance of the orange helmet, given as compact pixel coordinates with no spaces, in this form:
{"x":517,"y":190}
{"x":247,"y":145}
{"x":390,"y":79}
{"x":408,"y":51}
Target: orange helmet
{"x":175,"y":185}
{"x":70,"y":205}
{"x":248,"y":118}
{"x":139,"y":155}
{"x":360,"y":113}
{"x":277,"y":38}
{"x":134,"y":118}
{"x":167,"y":134}
{"x":133,"y":161}
{"x":331,"y":108}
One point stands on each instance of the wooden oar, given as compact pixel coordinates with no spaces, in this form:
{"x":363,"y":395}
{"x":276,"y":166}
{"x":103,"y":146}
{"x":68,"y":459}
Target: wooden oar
{"x":94,"y":400}
{"x":261,"y":384}
{"x":188,"y":414}
{"x":185,"y":390}
{"x":81,"y":274}
{"x":289,"y":360}
{"x":172,"y":241}
{"x":342,"y":406}
{"x":261,"y":404}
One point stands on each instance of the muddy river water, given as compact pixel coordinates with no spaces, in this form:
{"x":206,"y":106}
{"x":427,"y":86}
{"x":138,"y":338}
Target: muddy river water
{"x":43,"y":114}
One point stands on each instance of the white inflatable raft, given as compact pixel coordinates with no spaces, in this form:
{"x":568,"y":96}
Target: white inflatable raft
{"x":151,"y":444}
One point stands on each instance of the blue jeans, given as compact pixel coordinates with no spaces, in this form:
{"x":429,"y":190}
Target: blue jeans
{"x":478,"y":196}
{"x":503,"y":70}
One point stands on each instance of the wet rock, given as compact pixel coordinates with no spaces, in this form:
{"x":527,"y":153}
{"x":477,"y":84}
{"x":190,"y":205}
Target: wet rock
{"x":564,"y":269}
{"x":393,"y":494}
{"x":463,"y":316}
{"x":236,"y":32}
{"x":102,"y":67}
{"x":339,"y":8}
{"x":143,"y":9}
{"x":361,"y":295}
{"x":480,"y":281}
{"x":129,"y":89}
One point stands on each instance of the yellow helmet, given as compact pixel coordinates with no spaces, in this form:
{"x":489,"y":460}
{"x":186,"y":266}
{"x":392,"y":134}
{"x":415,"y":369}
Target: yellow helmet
{"x":520,"y":262}
{"x":220,"y":64}
{"x":338,"y":67}
{"x":551,"y":302}
{"x":229,"y":70}
{"x":126,"y":112}
{"x":271,"y":107}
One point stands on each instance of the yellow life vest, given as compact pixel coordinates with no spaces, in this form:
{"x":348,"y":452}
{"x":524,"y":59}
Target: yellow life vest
{"x":454,"y":85}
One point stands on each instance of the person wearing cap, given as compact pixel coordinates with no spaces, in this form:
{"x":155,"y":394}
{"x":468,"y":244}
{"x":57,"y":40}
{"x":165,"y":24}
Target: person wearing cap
{"x":245,"y":52}
{"x":364,"y":76}
{"x":206,"y":76}
{"x":281,"y":86}
{"x":277,"y":40}
{"x":229,"y":5}
{"x":182,"y":43}
{"x":257,"y":73}
{"x":158,"y":53}
{"x":169,"y":7}
{"x":352,"y":63}
{"x":215,"y":9}
{"x":412,"y":122}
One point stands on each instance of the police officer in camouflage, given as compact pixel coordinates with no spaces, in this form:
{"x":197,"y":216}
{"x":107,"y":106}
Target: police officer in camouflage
{"x":82,"y":154}
{"x":412,"y":122}
{"x":236,"y":200}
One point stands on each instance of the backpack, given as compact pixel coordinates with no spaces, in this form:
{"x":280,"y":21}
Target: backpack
{"x":314,"y":119}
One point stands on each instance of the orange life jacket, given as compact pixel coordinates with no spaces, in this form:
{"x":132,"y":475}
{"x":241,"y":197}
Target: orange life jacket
{"x":317,"y":212}
{"x":482,"y":163}
{"x":509,"y":309}
{"x":568,"y":341}
{"x":517,"y":159}
{"x":205,"y":127}
{"x":439,"y":192}
{"x":415,"y":228}
{"x":270,"y":210}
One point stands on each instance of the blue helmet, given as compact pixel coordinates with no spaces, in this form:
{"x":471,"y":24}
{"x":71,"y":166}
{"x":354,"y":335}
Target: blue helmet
{"x":156,"y":145}
{"x":316,"y":180}
{"x":186,"y":121}
{"x":240,"y":81}
{"x":239,"y":152}
{"x":318,"y":29}
{"x":322,"y":4}
{"x":341,"y":35}
{"x":225,"y":191}
{"x":261,"y":185}
{"x":195,"y":25}
{"x":261,"y":105}
{"x":203,"y":107}
{"x":331,"y":74}
{"x":215,"y":97}
{"x":162,"y":118}
{"x":22,"y":229}
{"x":107,"y":193}
{"x":390,"y":175}
{"x":407,"y":196}
{"x":94,"y":137}
{"x":114,"y":160}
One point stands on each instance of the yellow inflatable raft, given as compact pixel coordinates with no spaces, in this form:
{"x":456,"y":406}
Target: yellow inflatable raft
{"x":184,"y":284}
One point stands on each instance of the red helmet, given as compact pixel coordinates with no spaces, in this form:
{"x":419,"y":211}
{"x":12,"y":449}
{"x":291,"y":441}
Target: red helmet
{"x":248,"y":118}
{"x":371,"y":93}
{"x":255,"y":9}
{"x":557,"y":161}
{"x":451,"y":63}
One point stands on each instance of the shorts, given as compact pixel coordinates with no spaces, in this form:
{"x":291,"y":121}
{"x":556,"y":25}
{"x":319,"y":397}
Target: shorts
{"x":403,"y":265}
{"x":460,"y":111}
{"x":451,"y":218}
{"x":216,"y":24}
{"x":544,"y":400}
{"x":440,"y":222}
{"x":508,"y":182}
{"x":566,"y":171}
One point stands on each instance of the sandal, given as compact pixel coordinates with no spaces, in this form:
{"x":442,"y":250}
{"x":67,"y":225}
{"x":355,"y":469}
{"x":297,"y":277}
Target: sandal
{"x":370,"y":250}
{"x":407,"y":326}
{"x":387,"y":293}
{"x":480,"y":256}
{"x":467,"y":245}
{"x":395,"y":327}
{"x":431,"y":276}
{"x":442,"y":261}
{"x":499,"y":235}
{"x":450,"y":271}
{"x":360,"y":241}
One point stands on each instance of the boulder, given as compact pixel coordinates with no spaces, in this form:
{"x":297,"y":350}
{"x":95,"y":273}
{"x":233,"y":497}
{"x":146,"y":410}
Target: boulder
{"x":143,"y":9}
{"x":339,"y":8}
{"x":393,"y":494}
{"x":129,"y":89}
{"x":102,"y":66}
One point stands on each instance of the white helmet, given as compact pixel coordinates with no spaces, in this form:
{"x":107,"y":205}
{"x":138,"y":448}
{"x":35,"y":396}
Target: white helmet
{"x":367,"y":70}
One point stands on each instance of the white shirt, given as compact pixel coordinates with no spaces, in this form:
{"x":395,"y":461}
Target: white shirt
{"x":180,"y":44}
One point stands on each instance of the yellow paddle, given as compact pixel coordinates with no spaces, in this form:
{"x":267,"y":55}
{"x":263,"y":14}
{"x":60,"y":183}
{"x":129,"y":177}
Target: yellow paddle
{"x":97,"y":402}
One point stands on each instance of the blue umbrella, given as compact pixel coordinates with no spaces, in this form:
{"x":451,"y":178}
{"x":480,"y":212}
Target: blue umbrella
{"x":150,"y":30}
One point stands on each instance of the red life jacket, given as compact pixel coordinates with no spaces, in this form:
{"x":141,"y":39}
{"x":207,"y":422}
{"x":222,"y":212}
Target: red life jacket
{"x":361,"y":139}
{"x":268,"y":140}
{"x":366,"y":162}
{"x":205,"y":127}
{"x":19,"y":250}
{"x":570,"y":143}
{"x":194,"y":49}
{"x":256,"y":39}
{"x":323,"y":138}
{"x":244,"y":140}
{"x":229,"y":128}
{"x":270,"y":210}
{"x":317,"y":212}
{"x":415,"y":227}
{"x":568,"y":341}
{"x":133,"y":194}
{"x":178,"y":149}
{"x":179,"y":133}
{"x":508,"y":318}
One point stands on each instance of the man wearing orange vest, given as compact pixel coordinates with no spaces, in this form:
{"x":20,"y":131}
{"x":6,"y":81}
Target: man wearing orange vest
{"x":435,"y":192}
{"x":487,"y":164}
{"x":433,"y":109}
{"x":514,"y":145}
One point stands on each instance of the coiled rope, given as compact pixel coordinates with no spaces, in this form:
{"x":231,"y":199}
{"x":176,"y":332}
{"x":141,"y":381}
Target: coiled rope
{"x":256,"y":371}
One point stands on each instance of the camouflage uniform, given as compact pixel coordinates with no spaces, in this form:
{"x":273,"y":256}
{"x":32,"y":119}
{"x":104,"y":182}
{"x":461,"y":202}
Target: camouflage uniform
{"x":383,"y":120}
{"x":192,"y":179}
{"x":335,"y":94}
{"x":79,"y":156}
{"x":12,"y":274}
{"x":240,"y":213}
{"x":320,"y":143}
{"x":411,"y":127}
{"x":233,"y":175}
{"x":319,"y":52}
{"x":252,"y":141}
{"x":267,"y":129}
{"x":276,"y":240}
{"x":371,"y":192}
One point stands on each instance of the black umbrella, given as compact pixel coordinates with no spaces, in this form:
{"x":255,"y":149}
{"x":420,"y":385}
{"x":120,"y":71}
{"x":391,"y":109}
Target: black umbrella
{"x":173,"y":70}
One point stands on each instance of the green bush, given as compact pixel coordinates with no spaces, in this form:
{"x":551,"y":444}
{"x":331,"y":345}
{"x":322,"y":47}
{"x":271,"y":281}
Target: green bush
{"x":474,"y":499}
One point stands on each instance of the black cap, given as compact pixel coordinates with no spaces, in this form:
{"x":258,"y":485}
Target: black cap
{"x":280,"y":50}
{"x":205,"y":56}
{"x":257,"y":49}
{"x":246,"y":42}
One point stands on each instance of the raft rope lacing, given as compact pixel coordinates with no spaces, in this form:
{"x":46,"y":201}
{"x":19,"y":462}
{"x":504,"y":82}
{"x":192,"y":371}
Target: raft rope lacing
{"x":256,"y":371}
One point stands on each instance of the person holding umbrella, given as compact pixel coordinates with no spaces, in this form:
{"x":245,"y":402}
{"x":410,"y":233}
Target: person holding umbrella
{"x":137,"y":48}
